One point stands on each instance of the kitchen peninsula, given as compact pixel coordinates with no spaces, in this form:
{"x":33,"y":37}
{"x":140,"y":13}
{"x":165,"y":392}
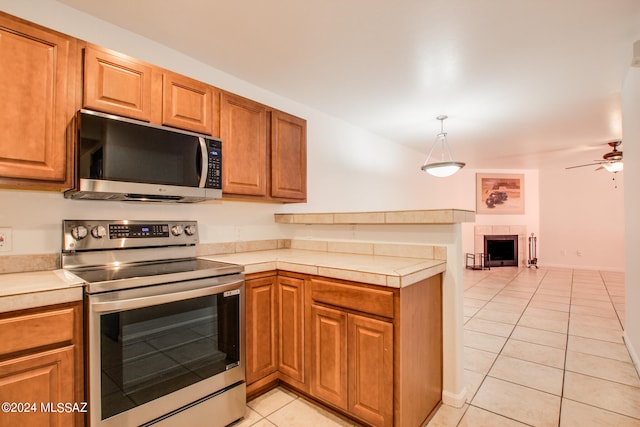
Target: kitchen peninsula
{"x":294,"y":279}
{"x":352,"y":298}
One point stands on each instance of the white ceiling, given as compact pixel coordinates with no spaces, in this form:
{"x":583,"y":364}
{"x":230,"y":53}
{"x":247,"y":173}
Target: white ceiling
{"x":522,"y":81}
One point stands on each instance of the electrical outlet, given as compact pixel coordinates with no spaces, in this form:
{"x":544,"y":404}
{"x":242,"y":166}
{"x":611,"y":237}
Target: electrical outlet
{"x":579,"y":252}
{"x":6,"y":240}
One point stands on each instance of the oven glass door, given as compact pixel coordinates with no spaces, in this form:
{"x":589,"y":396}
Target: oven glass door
{"x":149,"y":352}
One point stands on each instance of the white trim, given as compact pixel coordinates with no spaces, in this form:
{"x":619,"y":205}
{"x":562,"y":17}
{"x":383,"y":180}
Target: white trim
{"x":455,"y":400}
{"x":581,"y":267}
{"x":632,"y":352}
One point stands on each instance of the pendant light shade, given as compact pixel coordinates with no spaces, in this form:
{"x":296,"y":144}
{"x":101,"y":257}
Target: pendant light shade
{"x":446,"y":166}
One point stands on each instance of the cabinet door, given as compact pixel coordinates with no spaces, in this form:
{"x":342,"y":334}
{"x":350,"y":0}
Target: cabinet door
{"x":37,"y":89}
{"x":371,"y":369}
{"x":243,"y":130}
{"x":328,"y":378}
{"x":44,"y":378}
{"x":188,"y":104}
{"x":288,"y":157}
{"x":118,"y":84}
{"x":291,"y":327}
{"x":261,"y":318}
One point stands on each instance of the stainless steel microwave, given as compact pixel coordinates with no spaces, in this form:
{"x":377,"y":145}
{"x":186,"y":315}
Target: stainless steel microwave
{"x":123,"y":159}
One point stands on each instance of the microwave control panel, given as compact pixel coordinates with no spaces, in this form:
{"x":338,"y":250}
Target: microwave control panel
{"x":214,"y":176}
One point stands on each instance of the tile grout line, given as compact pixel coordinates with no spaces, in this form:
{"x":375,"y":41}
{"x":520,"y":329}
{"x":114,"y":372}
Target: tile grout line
{"x":505,"y":343}
{"x":615,"y":310}
{"x":566,"y":349}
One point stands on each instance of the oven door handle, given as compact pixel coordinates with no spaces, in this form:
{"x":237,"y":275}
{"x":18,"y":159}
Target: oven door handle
{"x":138,"y":298}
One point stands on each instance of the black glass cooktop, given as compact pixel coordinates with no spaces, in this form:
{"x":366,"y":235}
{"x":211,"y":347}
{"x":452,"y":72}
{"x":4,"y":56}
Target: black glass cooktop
{"x":159,"y":268}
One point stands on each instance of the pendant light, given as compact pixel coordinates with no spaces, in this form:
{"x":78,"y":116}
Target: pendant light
{"x":445,"y":167}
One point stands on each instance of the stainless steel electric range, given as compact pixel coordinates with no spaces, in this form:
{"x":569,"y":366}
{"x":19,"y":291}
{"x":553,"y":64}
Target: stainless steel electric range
{"x":165,"y":330}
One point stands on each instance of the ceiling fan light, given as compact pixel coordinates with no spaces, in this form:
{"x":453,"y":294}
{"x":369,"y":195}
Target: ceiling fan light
{"x":442,"y":169}
{"x":614,"y":166}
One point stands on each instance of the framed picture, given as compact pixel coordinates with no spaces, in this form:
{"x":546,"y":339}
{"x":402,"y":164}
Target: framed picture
{"x":499,"y":193}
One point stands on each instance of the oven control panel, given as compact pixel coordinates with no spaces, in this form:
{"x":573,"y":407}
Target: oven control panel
{"x":138,"y":231}
{"x":119,"y":234}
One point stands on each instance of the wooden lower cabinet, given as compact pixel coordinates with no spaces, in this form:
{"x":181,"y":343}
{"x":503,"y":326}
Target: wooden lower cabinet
{"x":371,"y":353}
{"x":352,"y":363}
{"x":329,"y":356}
{"x":370,"y":366}
{"x":275,"y":337}
{"x":41,"y":366}
{"x":261,"y":319}
{"x":291,"y":329}
{"x":35,"y":380}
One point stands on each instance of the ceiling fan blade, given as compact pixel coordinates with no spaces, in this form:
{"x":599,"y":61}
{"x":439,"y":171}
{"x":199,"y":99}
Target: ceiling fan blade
{"x":601,"y":167}
{"x":581,"y":166}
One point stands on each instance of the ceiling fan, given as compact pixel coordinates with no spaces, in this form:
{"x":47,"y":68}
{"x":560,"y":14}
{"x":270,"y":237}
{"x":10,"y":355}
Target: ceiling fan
{"x":612,"y":161}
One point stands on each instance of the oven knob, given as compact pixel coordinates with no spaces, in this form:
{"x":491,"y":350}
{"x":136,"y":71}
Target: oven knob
{"x":176,"y":230}
{"x":79,"y":232}
{"x":98,"y":232}
{"x":190,"y":230}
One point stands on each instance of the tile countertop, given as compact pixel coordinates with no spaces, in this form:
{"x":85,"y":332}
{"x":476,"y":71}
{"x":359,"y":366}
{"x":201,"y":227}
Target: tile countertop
{"x":38,"y":288}
{"x":391,"y":271}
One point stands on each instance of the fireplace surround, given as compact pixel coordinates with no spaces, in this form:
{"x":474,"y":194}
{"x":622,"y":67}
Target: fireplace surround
{"x":501,"y":230}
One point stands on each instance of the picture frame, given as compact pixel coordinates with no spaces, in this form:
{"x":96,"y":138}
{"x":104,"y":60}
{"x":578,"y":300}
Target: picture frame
{"x":499,"y":194}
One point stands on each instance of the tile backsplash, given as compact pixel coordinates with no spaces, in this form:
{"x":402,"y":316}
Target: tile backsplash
{"x":42,"y":262}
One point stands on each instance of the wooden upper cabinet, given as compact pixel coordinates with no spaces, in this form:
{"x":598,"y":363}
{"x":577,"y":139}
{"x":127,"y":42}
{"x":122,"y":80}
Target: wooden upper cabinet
{"x":243,"y":130}
{"x":189,"y":104}
{"x":116,"y":83}
{"x":288,"y":156}
{"x":264,"y":151}
{"x":37,"y":93}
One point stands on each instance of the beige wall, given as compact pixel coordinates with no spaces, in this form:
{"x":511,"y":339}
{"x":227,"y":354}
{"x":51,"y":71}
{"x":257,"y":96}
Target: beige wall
{"x":582,"y":218}
{"x":631,"y":134}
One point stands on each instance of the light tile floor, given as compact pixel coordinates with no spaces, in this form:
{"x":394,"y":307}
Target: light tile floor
{"x":541,"y":347}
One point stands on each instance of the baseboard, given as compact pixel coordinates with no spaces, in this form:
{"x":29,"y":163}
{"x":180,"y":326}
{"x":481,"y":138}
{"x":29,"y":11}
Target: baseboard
{"x":455,"y":400}
{"x":632,"y":352}
{"x":583,"y":267}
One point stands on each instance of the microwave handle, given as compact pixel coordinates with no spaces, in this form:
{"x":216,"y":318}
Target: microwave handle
{"x":204,"y":159}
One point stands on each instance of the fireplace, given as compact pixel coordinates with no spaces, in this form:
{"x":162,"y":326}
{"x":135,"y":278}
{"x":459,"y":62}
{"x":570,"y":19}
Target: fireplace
{"x":501,"y":250}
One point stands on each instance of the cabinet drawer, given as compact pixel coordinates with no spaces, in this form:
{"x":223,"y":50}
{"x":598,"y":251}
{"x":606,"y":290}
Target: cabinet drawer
{"x":359,"y":298}
{"x":36,"y":330}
